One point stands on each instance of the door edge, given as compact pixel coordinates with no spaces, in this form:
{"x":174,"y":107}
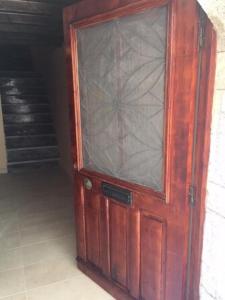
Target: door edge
{"x":201,"y":157}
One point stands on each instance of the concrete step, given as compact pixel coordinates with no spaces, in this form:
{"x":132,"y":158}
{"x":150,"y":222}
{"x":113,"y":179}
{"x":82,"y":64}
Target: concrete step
{"x":32,"y":165}
{"x":19,"y":74}
{"x":21,"y":82}
{"x":25,"y":108}
{"x":24,"y":99}
{"x":14,"y":142}
{"x":31,"y":154}
{"x":28,"y":129}
{"x":27,"y":118}
{"x":23,"y":90}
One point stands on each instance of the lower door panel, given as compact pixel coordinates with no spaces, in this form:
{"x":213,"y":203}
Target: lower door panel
{"x":126,"y":245}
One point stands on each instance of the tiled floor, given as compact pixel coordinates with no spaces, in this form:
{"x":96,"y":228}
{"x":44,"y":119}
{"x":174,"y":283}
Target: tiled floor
{"x":37,"y":246}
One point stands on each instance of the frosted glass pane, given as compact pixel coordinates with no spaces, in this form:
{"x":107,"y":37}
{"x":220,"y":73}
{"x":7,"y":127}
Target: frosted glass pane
{"x":122,"y":83}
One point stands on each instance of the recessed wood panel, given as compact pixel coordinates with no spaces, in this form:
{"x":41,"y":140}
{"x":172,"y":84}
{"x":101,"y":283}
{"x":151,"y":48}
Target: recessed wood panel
{"x":118,"y":243}
{"x":104,"y":236}
{"x":92,"y":210}
{"x":80,"y":219}
{"x":152,"y":258}
{"x":134,"y":254}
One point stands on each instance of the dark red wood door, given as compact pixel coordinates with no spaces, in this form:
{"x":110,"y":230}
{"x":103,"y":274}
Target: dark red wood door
{"x":132,"y":73}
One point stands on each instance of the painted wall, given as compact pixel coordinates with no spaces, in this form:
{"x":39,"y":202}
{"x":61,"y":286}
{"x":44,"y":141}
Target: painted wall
{"x":213,"y":262}
{"x":3,"y":159}
{"x":50,"y":62}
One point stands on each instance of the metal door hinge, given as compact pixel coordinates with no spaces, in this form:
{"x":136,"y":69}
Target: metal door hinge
{"x":192,"y":198}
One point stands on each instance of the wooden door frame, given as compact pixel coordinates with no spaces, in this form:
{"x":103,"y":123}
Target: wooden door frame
{"x":201,"y":157}
{"x":205,"y":96}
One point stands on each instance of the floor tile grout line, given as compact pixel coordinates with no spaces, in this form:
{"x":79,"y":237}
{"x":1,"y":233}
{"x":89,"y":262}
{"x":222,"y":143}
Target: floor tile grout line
{"x":11,"y":269}
{"x":26,"y":290}
{"x":12,"y":295}
{"x":56,"y":282}
{"x":25,"y":246}
{"x":44,"y":241}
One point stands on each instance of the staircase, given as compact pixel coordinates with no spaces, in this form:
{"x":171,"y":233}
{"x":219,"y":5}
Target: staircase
{"x":29,"y":131}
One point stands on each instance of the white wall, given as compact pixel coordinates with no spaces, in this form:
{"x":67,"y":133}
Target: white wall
{"x":213,"y":259}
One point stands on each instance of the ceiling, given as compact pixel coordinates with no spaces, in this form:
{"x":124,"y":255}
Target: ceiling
{"x":31,"y":21}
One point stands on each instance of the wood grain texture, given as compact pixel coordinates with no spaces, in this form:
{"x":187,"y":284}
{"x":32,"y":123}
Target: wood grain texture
{"x":92,"y":218}
{"x":152,"y":263}
{"x":118,"y":243}
{"x":204,"y":116}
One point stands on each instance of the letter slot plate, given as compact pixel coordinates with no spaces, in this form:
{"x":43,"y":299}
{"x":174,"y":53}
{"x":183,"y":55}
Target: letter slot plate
{"x":117,"y":193}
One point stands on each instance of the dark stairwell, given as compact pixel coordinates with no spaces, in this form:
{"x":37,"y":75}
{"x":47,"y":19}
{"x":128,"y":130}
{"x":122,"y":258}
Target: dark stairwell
{"x":28,"y":124}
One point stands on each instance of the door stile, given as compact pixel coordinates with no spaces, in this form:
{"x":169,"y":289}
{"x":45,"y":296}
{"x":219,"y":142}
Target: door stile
{"x":184,"y":66}
{"x":201,"y":155}
{"x":79,"y":209}
{"x":184,"y":54}
{"x":78,"y":153}
{"x":192,"y":188}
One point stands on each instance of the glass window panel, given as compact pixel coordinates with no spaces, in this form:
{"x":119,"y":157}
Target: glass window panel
{"x":122,"y":91}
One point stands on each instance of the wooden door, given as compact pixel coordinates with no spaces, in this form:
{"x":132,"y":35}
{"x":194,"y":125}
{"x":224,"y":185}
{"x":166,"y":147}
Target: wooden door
{"x":132,"y":71}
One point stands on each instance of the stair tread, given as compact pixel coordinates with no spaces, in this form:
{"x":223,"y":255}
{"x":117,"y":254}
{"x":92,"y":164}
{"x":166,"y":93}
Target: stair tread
{"x":25,"y":104}
{"x":26,"y":154}
{"x":33,"y":148}
{"x":27,"y":124}
{"x":33,"y":161}
{"x":32,"y":165}
{"x":27,"y":114}
{"x":31,"y":142}
{"x":25,"y":108}
{"x":19,"y":74}
{"x":31,"y":135}
{"x":17,"y":79}
{"x":29,"y":118}
{"x":25,"y":99}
